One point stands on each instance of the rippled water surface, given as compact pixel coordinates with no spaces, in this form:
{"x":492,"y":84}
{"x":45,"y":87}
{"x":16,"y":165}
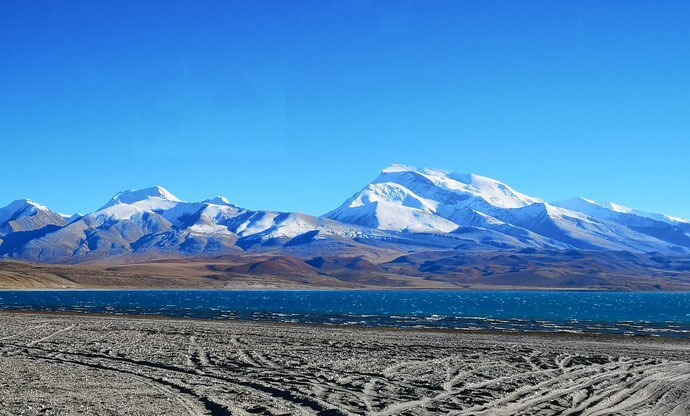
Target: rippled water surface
{"x":656,"y":314}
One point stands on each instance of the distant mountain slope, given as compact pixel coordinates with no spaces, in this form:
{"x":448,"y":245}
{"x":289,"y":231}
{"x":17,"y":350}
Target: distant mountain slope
{"x":404,"y":198}
{"x":25,"y":215}
{"x":153,"y":223}
{"x":403,"y":210}
{"x":24,"y":220}
{"x":611,"y":210}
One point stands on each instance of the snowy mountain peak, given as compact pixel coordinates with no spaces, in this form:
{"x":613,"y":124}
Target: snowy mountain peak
{"x":133,"y":196}
{"x":426,"y":200}
{"x":455,"y":185}
{"x":29,"y":202}
{"x":395,"y":168}
{"x":20,"y":207}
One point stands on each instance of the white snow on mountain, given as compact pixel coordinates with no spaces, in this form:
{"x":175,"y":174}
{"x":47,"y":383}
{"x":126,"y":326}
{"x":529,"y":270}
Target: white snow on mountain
{"x":404,"y":198}
{"x":403,"y":207}
{"x":148,"y":198}
{"x":607,"y":210}
{"x":23,"y":220}
{"x":153,"y":220}
{"x":20,"y":208}
{"x":581,"y":230}
{"x":128,"y":203}
{"x":219,"y":200}
{"x":390,"y":206}
{"x":434,"y":182}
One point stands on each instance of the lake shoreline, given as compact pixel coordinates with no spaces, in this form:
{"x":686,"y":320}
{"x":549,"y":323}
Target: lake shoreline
{"x":556,"y":335}
{"x":630,"y":314}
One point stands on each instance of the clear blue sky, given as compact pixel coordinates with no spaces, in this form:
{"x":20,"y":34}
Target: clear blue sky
{"x":296,"y":105}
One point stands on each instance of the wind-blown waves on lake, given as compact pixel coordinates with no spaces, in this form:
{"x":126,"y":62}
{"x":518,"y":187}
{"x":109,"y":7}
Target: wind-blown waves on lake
{"x":653,"y":314}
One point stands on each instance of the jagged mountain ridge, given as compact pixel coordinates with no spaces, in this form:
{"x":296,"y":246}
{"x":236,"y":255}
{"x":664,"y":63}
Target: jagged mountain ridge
{"x":153,"y":223}
{"x":405,"y":209}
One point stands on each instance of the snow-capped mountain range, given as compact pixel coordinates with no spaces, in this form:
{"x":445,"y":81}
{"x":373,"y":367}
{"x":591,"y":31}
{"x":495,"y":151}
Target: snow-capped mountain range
{"x":404,"y":209}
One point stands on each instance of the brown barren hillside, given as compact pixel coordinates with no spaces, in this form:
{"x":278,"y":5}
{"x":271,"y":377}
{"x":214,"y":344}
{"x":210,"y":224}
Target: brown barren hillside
{"x":452,"y":269}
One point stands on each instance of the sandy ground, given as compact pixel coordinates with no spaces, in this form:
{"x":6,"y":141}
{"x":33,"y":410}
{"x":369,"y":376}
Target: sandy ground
{"x":66,"y":364}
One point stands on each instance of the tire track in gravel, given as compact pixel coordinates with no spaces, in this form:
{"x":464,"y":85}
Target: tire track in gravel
{"x":531,"y":396}
{"x":647,"y":392}
{"x":319,"y":407}
{"x":275,"y":392}
{"x":196,"y":368}
{"x":509,"y":400}
{"x":24,"y":332}
{"x":212,"y":408}
{"x":253,"y":358}
{"x":190,"y":408}
{"x":242,"y":354}
{"x":53,"y":335}
{"x":204,"y":366}
{"x":197,"y":357}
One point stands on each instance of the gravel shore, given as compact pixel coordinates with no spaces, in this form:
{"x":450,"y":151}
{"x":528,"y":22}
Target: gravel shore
{"x":101,"y":365}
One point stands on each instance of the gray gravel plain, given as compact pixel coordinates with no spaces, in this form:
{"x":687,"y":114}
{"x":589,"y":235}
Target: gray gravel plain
{"x":102,"y":365}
